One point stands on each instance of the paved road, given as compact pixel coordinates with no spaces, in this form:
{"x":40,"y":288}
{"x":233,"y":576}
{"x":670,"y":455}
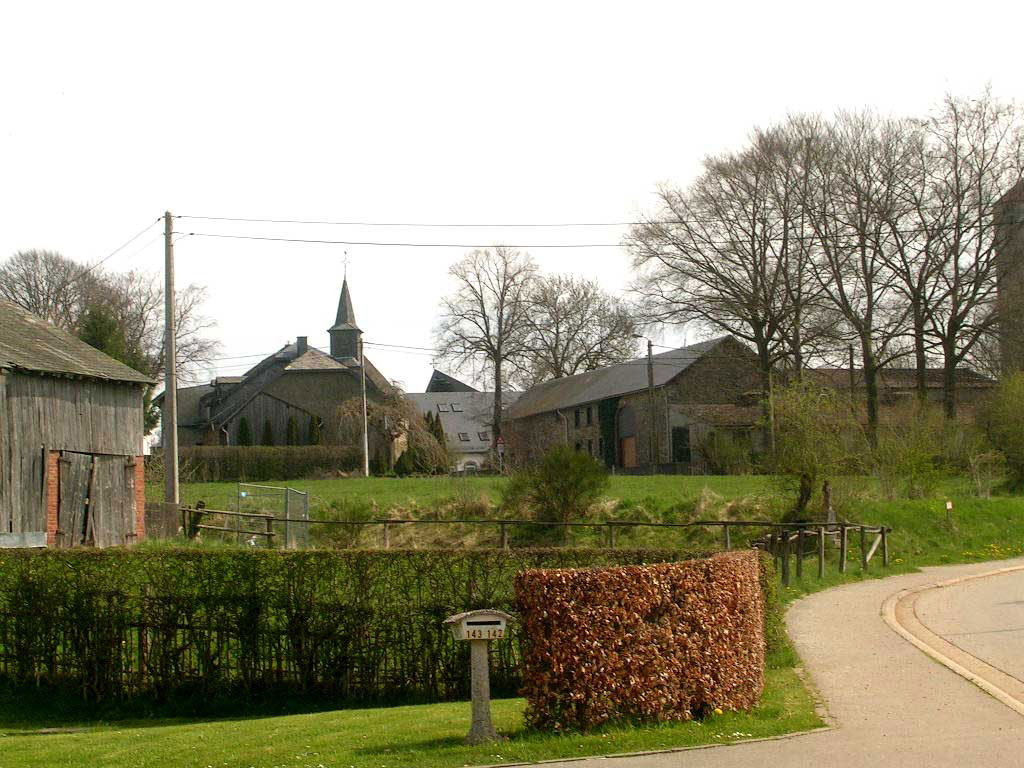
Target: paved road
{"x":890,"y":703}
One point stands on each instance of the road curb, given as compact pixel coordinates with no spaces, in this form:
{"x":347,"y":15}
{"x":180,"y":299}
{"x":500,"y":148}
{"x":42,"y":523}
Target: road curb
{"x":889,"y":615}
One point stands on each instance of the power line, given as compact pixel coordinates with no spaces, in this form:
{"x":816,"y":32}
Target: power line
{"x":117,"y":250}
{"x":441,"y":225}
{"x":402,"y":244}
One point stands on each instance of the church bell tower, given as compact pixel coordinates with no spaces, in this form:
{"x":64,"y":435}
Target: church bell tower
{"x":345,"y":334}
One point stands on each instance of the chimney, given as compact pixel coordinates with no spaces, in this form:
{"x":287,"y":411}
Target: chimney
{"x":301,"y":345}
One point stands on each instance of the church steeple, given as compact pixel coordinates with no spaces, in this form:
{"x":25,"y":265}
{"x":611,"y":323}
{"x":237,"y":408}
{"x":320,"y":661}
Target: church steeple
{"x":345,"y":334}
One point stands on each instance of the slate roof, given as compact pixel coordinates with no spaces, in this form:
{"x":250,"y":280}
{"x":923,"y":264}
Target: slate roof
{"x":442,"y":382}
{"x":610,"y":381}
{"x":29,"y":343}
{"x":189,"y":405}
{"x":473,"y":417}
{"x":346,"y":318}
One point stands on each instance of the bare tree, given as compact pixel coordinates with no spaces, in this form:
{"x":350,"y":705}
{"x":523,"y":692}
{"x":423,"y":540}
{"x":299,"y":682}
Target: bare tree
{"x":487,"y":318}
{"x":713,"y":254}
{"x":61,"y":291}
{"x":975,"y":155}
{"x":852,"y":196}
{"x":574,"y":326}
{"x":48,"y":285}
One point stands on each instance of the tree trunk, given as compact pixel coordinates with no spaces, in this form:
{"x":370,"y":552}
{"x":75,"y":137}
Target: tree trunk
{"x":949,"y":384}
{"x":496,"y":431}
{"x":920,"y":360}
{"x":803,"y":496}
{"x":871,"y":392}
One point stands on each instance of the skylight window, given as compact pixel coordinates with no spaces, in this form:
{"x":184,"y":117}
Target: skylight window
{"x":464,"y":437}
{"x":456,"y":407}
{"x":442,"y":407}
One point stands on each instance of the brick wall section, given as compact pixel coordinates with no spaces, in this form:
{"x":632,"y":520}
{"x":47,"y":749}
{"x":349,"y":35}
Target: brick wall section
{"x":140,"y":497}
{"x":52,"y":496}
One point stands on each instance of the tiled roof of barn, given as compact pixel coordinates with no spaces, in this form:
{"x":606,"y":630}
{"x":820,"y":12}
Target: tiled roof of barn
{"x":29,"y":343}
{"x":610,"y":381}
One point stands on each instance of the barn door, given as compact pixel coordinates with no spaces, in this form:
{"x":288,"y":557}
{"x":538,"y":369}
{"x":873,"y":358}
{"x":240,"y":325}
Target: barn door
{"x":97,"y":500}
{"x":75,"y":471}
{"x":627,"y":447}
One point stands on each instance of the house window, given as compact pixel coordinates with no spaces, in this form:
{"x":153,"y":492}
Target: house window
{"x":456,"y":408}
{"x":681,"y":444}
{"x":590,"y":444}
{"x":579,"y":445}
{"x":483,"y":436}
{"x":590,"y":415}
{"x":576,"y":417}
{"x":464,"y":437}
{"x":442,"y":407}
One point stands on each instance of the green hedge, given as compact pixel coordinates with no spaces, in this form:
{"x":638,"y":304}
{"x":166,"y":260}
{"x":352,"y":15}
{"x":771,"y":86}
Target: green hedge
{"x":351,"y":627}
{"x":242,"y":463}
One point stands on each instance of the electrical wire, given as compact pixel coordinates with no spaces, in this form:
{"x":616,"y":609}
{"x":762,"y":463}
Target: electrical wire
{"x":401,"y":244}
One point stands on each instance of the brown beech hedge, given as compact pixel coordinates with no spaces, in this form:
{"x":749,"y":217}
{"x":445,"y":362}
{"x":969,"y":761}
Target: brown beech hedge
{"x":641,"y":643}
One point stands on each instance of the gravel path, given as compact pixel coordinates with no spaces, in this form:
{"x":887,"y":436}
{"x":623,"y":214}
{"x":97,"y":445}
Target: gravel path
{"x":888,"y":701}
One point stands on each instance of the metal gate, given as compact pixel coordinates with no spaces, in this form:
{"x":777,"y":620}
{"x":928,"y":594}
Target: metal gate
{"x":96,"y":505}
{"x":289,"y":508}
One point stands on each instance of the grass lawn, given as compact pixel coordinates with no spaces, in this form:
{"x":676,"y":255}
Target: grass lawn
{"x":427,"y":736}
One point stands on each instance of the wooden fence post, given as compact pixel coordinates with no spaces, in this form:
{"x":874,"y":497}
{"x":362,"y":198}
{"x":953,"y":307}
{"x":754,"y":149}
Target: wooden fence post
{"x":863,"y":549}
{"x":885,"y":547}
{"x":821,"y":551}
{"x":387,"y":536}
{"x":725,"y":533}
{"x":785,"y":558}
{"x":799,"y":553}
{"x":843,"y":545}
{"x":270,"y":532}
{"x":611,"y":536}
{"x":504,"y":535}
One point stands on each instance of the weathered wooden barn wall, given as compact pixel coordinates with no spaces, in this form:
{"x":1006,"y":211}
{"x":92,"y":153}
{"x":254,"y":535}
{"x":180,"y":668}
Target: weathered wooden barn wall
{"x":54,"y":413}
{"x":321,"y":393}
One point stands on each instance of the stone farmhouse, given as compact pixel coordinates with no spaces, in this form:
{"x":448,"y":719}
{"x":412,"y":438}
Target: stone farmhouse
{"x":607,"y":413}
{"x":466,"y":415}
{"x":71,"y":467}
{"x":297,"y":384}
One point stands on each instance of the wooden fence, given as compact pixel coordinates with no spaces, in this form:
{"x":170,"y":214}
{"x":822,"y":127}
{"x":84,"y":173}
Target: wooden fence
{"x":789,"y":543}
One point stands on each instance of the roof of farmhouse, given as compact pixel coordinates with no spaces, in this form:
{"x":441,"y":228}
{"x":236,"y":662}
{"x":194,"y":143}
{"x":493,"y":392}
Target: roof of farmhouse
{"x":611,"y":381}
{"x":29,"y":343}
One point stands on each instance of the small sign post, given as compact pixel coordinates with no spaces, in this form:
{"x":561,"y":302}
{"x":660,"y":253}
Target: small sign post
{"x":479,"y":628}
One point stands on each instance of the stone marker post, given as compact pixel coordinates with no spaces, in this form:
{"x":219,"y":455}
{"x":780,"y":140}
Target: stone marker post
{"x":479,"y":628}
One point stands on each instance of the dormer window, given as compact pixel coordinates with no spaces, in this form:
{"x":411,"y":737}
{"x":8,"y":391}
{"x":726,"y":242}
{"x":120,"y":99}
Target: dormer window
{"x":442,"y":407}
{"x":456,"y":408}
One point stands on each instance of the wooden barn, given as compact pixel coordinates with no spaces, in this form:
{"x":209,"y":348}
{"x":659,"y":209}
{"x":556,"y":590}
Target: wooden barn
{"x":71,"y":469}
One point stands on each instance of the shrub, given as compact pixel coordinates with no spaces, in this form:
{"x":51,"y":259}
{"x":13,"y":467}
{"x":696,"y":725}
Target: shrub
{"x":816,"y":436}
{"x":726,"y":453}
{"x":561,"y":487}
{"x":644,"y":643}
{"x":313,"y":434}
{"x":291,"y":436}
{"x":268,"y":433}
{"x":234,"y":463}
{"x":244,"y":432}
{"x":1002,"y":418}
{"x":909,"y":456}
{"x":240,"y":626}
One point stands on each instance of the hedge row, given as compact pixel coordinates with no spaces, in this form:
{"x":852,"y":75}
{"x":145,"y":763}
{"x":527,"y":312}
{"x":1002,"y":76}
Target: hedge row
{"x":351,"y":627}
{"x":243,"y":463}
{"x":646,"y":643}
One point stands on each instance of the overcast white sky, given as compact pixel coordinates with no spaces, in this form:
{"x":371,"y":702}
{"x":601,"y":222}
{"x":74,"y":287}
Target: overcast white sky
{"x":420,"y":112}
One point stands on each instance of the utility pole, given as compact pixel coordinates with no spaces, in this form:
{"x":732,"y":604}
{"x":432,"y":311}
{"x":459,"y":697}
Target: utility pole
{"x":650,"y":406}
{"x":366,"y":427}
{"x":170,"y":414}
